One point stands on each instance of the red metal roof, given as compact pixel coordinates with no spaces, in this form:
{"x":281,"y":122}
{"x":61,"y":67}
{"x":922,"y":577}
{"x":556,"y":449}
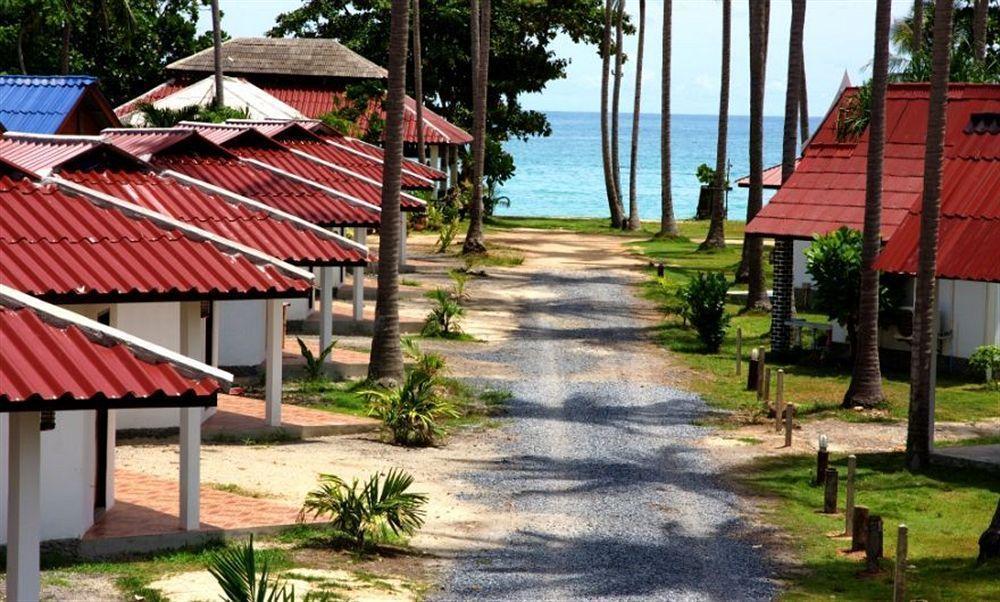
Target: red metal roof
{"x":284,"y":237}
{"x":285,"y":194}
{"x":772,"y":178}
{"x":162,"y":91}
{"x":48,"y":355}
{"x":72,"y":247}
{"x":41,"y":153}
{"x":827,"y":190}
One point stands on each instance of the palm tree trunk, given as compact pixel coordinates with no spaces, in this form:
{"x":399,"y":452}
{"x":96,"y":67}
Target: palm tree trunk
{"x":783,"y":300}
{"x":616,"y":97}
{"x":633,"y":192}
{"x":418,"y":82}
{"x":613,"y":204}
{"x":386,"y":359}
{"x":919,"y":432}
{"x":217,"y":54}
{"x":917,"y":27}
{"x":668,"y":223}
{"x":67,"y":33}
{"x":803,"y":107}
{"x":474,"y":239}
{"x":866,"y":379}
{"x":716,"y":238}
{"x":753,"y":246}
{"x":979,"y":30}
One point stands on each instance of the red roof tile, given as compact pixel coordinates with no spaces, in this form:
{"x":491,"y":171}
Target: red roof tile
{"x":69,"y":246}
{"x":49,"y":355}
{"x":41,"y":153}
{"x":772,"y":178}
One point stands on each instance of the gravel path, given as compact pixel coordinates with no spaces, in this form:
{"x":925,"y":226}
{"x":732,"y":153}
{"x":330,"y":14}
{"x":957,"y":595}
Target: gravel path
{"x":606,"y":495}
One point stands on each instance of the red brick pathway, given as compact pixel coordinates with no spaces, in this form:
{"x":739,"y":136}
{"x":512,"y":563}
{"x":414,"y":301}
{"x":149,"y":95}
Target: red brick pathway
{"x":238,"y":416}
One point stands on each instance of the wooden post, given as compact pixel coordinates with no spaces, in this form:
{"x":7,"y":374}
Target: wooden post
{"x":822,"y":461}
{"x":859,"y":532}
{"x":659,"y":270}
{"x":779,"y":400}
{"x":830,"y":495}
{"x":739,"y":351}
{"x":873,"y":546}
{"x":761,"y":365}
{"x":789,"y":413}
{"x":852,"y":466}
{"x":767,"y":386}
{"x":899,"y":579}
{"x":752,"y":371}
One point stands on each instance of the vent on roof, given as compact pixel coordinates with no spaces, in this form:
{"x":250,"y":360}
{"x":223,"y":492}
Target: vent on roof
{"x":983,"y":123}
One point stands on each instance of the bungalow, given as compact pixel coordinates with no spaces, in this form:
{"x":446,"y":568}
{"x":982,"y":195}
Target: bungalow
{"x":185,"y":152}
{"x":60,"y":104}
{"x":827,"y":191}
{"x":51,"y":421}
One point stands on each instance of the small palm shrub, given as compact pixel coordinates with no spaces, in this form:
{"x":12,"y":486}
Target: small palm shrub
{"x":443,"y":321}
{"x":412,"y":410}
{"x":704,"y":302}
{"x":431,"y":364}
{"x":459,"y":279}
{"x":245,"y":577}
{"x":985,"y":363}
{"x":314,"y":364}
{"x":365,"y":513}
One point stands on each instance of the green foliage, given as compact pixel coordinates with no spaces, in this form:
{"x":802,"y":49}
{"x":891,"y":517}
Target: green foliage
{"x":857,"y":112}
{"x":704,"y":299}
{"x":985,"y":360}
{"x":245,"y":576}
{"x":444,"y":215}
{"x":355,"y":113}
{"x":365,"y":513}
{"x":443,"y":321}
{"x":165,"y":118}
{"x":705,"y":174}
{"x":412,"y":410}
{"x":314,"y":364}
{"x":459,"y":281}
{"x":212,"y":114}
{"x":430,"y":364}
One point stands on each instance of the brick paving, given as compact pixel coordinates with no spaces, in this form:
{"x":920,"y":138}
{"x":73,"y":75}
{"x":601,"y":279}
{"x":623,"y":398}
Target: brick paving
{"x":245,"y":416}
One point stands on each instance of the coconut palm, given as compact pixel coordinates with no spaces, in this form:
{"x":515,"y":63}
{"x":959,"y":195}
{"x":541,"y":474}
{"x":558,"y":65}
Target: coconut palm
{"x":217,"y":54}
{"x":633,"y":201}
{"x":616,"y":97}
{"x":803,"y":106}
{"x":917,"y":26}
{"x":479,"y":24}
{"x":613,"y":203}
{"x":386,"y":356}
{"x":668,"y":224}
{"x":753,"y":246}
{"x":716,"y":238}
{"x":918,"y":433}
{"x":979,"y":30}
{"x":866,"y":379}
{"x":418,"y":82}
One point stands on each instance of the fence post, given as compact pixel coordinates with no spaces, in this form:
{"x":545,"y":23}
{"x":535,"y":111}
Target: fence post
{"x":761,"y":365}
{"x":789,"y":413}
{"x":767,"y":386}
{"x":822,"y":460}
{"x":859,"y":532}
{"x":899,"y":580}
{"x":739,"y":351}
{"x":779,"y":400}
{"x":830,"y":495}
{"x":873,"y":547}
{"x":852,"y":466}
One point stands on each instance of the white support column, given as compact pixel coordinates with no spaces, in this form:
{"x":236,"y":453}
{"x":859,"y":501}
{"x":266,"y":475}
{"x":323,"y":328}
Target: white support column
{"x":192,"y":345}
{"x":216,"y":322}
{"x":402,"y":241}
{"x":991,"y":332}
{"x":23,"y":507}
{"x":359,"y":279}
{"x":453,"y":180}
{"x":341,"y":273}
{"x":325,"y":307}
{"x":272,"y":362}
{"x":434,"y":160}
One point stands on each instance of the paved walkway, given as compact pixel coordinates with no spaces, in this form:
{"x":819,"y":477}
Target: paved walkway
{"x":604,"y":492}
{"x":244,"y":417}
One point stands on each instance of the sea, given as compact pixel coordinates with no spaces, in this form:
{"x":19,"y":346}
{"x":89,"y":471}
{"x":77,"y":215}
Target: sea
{"x":561,"y":175}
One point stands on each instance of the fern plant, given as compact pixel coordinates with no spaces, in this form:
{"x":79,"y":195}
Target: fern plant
{"x":314,"y":364}
{"x":412,"y":410}
{"x":431,"y":364}
{"x":443,"y":321}
{"x":244,"y":577}
{"x":365,"y":513}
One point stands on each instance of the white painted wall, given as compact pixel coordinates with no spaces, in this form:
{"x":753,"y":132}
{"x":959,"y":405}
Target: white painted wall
{"x":800,"y":276}
{"x":241,"y":333}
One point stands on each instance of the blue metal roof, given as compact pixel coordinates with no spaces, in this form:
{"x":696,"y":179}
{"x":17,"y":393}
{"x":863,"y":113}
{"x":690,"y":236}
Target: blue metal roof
{"x":39,"y":104}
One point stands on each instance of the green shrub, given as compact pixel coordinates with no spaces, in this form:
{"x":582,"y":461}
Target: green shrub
{"x":412,"y":410}
{"x":314,"y":364}
{"x":704,"y":302}
{"x":443,"y":321}
{"x":367,"y":513}
{"x":245,"y":577}
{"x":459,"y":279}
{"x":985,"y":360}
{"x":431,"y":364}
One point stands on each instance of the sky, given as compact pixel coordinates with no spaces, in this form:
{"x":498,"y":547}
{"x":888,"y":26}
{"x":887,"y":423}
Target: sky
{"x":838,"y":39}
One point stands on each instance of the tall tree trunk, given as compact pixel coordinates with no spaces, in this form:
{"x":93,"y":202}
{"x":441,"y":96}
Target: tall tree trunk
{"x":633,"y":191}
{"x":386,"y":359}
{"x":919,"y":430}
{"x":668,"y":223}
{"x":613,"y":204}
{"x":803,"y":105}
{"x":67,"y":33}
{"x":716,"y":238}
{"x":220,"y":100}
{"x":979,"y":18}
{"x":753,"y":246}
{"x":866,"y":379}
{"x":917,"y":27}
{"x":616,"y":96}
{"x":474,"y":239}
{"x":20,"y":50}
{"x":783,"y":301}
{"x":418,"y":82}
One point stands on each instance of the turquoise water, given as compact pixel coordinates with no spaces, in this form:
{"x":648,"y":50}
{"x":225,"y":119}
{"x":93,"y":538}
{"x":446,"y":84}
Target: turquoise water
{"x":561,"y":175}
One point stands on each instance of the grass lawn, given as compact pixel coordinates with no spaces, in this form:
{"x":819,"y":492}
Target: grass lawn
{"x":946,"y":510}
{"x":597,"y":225}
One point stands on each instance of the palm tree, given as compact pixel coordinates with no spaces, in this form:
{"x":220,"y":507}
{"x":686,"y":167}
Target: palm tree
{"x":803,"y":106}
{"x":633,"y":201}
{"x":614,"y":204}
{"x":418,"y":81}
{"x":480,"y":29}
{"x":917,"y":38}
{"x":783,"y":249}
{"x":753,"y":246}
{"x":616,"y":96}
{"x":386,"y":359}
{"x":668,"y":224}
{"x":919,"y":432}
{"x":979,"y":30}
{"x":716,"y":238}
{"x":866,"y":379}
{"x":217,"y":54}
